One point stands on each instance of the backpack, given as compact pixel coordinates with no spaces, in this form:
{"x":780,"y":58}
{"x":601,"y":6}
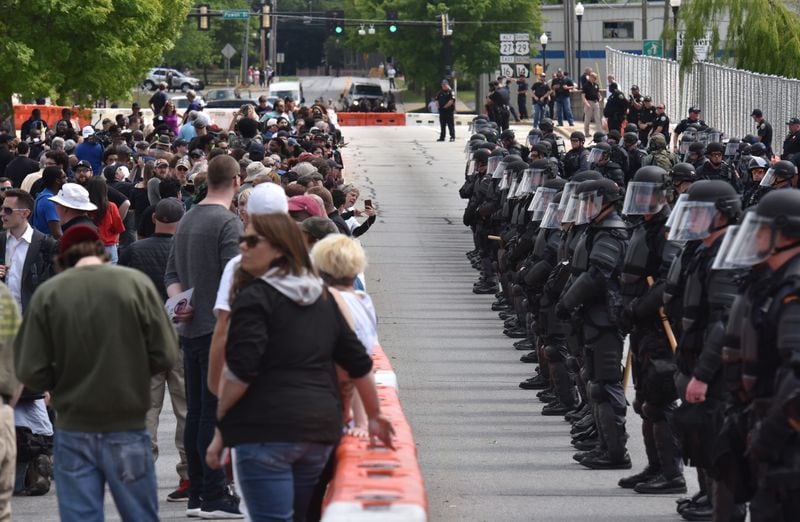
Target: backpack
{"x":660,"y":158}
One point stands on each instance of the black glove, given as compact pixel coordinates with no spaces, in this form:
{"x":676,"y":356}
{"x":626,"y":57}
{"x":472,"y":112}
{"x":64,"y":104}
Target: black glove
{"x":626,"y":318}
{"x":562,"y":312}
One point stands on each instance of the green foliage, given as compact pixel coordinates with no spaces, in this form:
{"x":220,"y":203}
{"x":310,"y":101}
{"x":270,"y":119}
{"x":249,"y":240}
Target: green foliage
{"x":763,"y":35}
{"x":79,"y":50}
{"x":193,"y":48}
{"x":418,"y":49}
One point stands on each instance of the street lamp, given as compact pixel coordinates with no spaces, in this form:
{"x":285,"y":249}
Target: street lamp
{"x":675,"y":5}
{"x":579,"y":14}
{"x":543,"y":41}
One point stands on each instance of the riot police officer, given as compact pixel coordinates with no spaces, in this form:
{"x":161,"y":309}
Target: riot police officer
{"x":763,"y":350}
{"x":693,"y":119}
{"x":600,"y":160}
{"x":636,"y":154}
{"x":682,"y":176}
{"x":644,"y":270}
{"x":753,"y":191}
{"x":707,"y":295}
{"x":696,"y":154}
{"x":716,"y":169}
{"x":557,"y":146}
{"x":598,"y":260}
{"x":763,"y":130}
{"x":615,"y":109}
{"x":782,"y":175}
{"x":576,"y":159}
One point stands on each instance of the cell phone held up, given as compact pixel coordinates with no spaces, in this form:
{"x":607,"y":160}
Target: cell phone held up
{"x":368,"y":203}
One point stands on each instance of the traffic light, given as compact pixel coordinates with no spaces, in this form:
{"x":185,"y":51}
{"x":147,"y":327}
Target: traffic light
{"x":202,"y":18}
{"x":336,"y":22}
{"x":391,"y":17}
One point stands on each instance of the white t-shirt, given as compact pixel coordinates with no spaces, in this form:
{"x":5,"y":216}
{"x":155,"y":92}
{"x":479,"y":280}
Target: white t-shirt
{"x":365,"y":319}
{"x":223,"y":304}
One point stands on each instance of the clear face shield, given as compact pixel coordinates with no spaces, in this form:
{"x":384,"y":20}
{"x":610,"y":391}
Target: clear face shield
{"x":594,"y":155}
{"x":694,"y":221}
{"x":689,"y":135}
{"x":513,"y":185}
{"x":754,"y":242}
{"x":492,"y":164}
{"x":505,"y":180}
{"x":533,"y":139}
{"x":541,"y":200}
{"x":590,"y":204}
{"x":644,"y":198}
{"x":769,"y":178}
{"x":472,"y":167}
{"x":531,"y":179}
{"x":552,"y":217}
{"x":720,"y":260}
{"x":571,"y":209}
{"x":731,"y":149}
{"x":676,"y":210}
{"x":683,"y":149}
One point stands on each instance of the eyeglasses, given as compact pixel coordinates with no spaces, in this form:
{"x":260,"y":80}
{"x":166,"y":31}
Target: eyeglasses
{"x":3,"y":189}
{"x":251,"y":240}
{"x":8,"y":210}
{"x":162,"y":166}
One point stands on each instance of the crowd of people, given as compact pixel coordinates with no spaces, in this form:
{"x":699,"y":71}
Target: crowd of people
{"x":143,"y":259}
{"x":692,"y":256}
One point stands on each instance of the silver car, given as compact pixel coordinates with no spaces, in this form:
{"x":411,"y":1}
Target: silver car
{"x":179,"y":80}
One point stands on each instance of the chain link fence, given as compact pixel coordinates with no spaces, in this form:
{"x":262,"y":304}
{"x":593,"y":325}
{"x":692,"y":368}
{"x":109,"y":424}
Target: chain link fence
{"x":726,"y":96}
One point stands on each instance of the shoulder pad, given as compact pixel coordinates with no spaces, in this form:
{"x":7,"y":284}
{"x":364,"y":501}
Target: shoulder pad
{"x":612,"y":221}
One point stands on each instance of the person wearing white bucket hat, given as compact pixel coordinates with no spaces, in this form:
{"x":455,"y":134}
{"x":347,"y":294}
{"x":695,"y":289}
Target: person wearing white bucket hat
{"x":72,"y":205}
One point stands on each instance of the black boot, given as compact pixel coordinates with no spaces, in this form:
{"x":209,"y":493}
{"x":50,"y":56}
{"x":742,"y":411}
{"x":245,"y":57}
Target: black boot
{"x":556,"y":408}
{"x":535,"y":383}
{"x":531,"y":357}
{"x":647,"y":474}
{"x":586,"y":444}
{"x":662,"y":485}
{"x":524,"y":344}
{"x":606,"y":461}
{"x":612,"y":431}
{"x":581,"y":455}
{"x":578,"y":414}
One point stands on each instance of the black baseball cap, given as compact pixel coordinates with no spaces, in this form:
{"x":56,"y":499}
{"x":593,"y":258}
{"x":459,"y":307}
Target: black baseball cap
{"x":694,"y":109}
{"x":793,"y":121}
{"x":757,"y":113}
{"x":83,"y":164}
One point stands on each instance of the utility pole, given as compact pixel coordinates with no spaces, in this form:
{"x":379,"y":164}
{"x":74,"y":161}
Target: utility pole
{"x":644,"y":19}
{"x":569,"y":39}
{"x":273,"y":38}
{"x":245,"y":51}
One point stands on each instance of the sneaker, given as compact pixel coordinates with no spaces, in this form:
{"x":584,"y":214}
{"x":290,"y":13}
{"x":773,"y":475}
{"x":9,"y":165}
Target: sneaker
{"x":226,"y":507}
{"x":452,"y":138}
{"x":440,"y":139}
{"x":193,"y":507}
{"x":181,"y":493}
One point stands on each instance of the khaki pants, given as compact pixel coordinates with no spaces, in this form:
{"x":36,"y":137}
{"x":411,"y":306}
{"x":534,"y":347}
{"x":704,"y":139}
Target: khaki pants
{"x":8,"y":460}
{"x":592,"y":112}
{"x":177,"y":393}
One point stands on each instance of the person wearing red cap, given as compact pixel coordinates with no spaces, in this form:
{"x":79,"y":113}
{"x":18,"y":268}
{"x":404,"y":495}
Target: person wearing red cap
{"x":99,"y":376}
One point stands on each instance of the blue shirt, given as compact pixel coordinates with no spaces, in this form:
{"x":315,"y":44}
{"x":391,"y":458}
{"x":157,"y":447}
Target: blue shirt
{"x":44,"y":211}
{"x":187,"y":132}
{"x":91,"y":153}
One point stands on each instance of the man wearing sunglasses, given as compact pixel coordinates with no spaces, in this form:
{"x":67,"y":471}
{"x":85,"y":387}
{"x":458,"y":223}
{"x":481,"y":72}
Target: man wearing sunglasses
{"x":26,"y":253}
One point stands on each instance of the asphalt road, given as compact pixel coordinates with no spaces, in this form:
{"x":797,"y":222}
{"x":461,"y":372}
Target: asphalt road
{"x":486,"y":452}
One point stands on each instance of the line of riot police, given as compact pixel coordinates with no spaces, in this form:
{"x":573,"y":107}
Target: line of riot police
{"x":581,"y":251}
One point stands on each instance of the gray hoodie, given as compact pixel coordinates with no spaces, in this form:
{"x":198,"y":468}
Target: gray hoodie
{"x":304,"y":289}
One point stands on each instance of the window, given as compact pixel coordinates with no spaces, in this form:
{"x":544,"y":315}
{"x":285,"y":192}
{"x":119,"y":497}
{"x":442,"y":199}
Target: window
{"x":615,"y":30}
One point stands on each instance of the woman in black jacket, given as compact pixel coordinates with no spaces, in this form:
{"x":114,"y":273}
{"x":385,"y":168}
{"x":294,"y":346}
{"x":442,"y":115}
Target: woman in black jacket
{"x":279,"y":406}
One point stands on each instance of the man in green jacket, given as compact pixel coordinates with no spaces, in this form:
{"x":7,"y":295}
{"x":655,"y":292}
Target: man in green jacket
{"x":93,"y":336}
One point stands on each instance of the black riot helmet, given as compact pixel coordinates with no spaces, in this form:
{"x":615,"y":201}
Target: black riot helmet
{"x":705,"y":199}
{"x":613,"y":137}
{"x":647,"y":191}
{"x":697,"y":148}
{"x":546,"y":125}
{"x":715,"y":147}
{"x":507,"y":134}
{"x":480,"y":156}
{"x":543,"y":149}
{"x":595,"y":196}
{"x":772,"y":228}
{"x":546,"y":167}
{"x":631,"y":127}
{"x":586,"y":175}
{"x":683,"y":172}
{"x":534,"y":136}
{"x":477,"y":136}
{"x":630,"y":138}
{"x":598,"y":151}
{"x":758,"y":149}
{"x":749,"y":138}
{"x":555,"y":183}
{"x":599,"y":137}
{"x":489,"y":135}
{"x":781,"y":171}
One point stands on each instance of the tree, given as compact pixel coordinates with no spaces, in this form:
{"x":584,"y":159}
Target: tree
{"x":193,"y":49}
{"x":763,"y":35}
{"x":80,"y":50}
{"x":418,"y":48}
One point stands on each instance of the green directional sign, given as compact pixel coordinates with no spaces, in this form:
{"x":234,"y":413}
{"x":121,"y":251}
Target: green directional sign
{"x":653,"y":48}
{"x":235,"y":14}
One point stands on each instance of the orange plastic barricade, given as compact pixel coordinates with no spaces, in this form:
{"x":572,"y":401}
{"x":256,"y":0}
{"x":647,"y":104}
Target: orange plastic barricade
{"x":50,"y":114}
{"x":385,"y":119}
{"x":351,"y":119}
{"x":22,"y":113}
{"x":374,"y":482}
{"x":382,"y":368}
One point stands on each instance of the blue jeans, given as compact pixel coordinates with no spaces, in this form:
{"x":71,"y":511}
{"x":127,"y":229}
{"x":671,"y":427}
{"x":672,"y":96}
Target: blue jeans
{"x":539,"y":112}
{"x":84,"y":463}
{"x":564,"y":110}
{"x":277,"y":479}
{"x":201,"y":413}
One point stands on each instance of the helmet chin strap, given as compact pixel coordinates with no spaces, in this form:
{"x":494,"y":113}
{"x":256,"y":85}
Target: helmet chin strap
{"x":784,"y":248}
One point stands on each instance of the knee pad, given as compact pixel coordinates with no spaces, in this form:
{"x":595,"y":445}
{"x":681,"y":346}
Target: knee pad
{"x":553,"y":353}
{"x":573,"y":365}
{"x":597,"y":392}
